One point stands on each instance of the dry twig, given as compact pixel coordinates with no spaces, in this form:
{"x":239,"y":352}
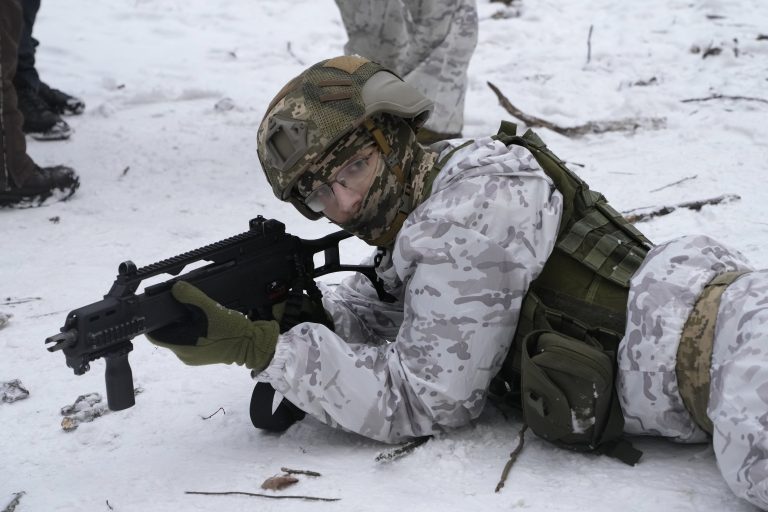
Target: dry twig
{"x":214,"y":414}
{"x":259,"y":495}
{"x":725,"y":97}
{"x":580,"y":130}
{"x":675,"y":183}
{"x":390,"y":455}
{"x":12,"y":301}
{"x":290,"y":471}
{"x":711,"y":51}
{"x":648,"y":212}
{"x":14,"y":502}
{"x":589,"y":44}
{"x":290,"y":52}
{"x":512,"y":458}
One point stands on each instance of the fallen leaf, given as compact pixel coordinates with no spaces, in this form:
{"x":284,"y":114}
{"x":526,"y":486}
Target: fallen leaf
{"x":68,"y":424}
{"x":278,"y":483}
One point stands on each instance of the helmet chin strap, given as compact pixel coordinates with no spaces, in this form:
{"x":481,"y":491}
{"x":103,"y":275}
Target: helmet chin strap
{"x":406,"y":201}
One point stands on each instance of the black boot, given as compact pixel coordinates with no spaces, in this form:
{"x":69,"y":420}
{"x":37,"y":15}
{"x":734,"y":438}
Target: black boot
{"x":60,"y":102}
{"x":44,"y":186}
{"x":262,"y":414}
{"x":40,"y":122}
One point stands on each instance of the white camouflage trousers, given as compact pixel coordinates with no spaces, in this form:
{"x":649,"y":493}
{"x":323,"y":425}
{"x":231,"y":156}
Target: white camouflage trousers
{"x":661,"y":297}
{"x":427,"y":42}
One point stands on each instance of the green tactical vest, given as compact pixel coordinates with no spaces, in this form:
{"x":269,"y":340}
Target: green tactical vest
{"x":562,"y":365}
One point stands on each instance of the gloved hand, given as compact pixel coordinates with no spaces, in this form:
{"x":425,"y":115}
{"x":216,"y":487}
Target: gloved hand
{"x":215,"y":334}
{"x":309,"y":311}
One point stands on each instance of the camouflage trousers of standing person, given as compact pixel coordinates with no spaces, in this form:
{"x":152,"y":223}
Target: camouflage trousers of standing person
{"x":15,"y":165}
{"x":429,"y":43}
{"x":663,"y":293}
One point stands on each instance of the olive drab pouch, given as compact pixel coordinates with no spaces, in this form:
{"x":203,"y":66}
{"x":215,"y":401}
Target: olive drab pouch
{"x":568,"y":394}
{"x":561,"y":367}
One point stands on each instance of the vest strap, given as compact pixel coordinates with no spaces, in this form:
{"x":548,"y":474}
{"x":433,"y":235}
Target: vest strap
{"x":694,"y":354}
{"x":430,"y":179}
{"x":389,"y":235}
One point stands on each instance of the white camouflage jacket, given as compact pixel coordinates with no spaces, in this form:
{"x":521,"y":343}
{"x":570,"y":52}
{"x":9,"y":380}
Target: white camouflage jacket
{"x":460,"y":267}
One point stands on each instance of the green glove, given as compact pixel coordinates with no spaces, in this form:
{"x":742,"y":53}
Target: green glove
{"x":215,"y":334}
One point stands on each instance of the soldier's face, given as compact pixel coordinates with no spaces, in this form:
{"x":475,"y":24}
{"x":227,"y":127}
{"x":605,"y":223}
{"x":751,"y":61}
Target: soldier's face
{"x":341,"y":197}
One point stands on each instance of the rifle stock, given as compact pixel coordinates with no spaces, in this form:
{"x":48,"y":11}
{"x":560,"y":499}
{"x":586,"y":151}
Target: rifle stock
{"x":248,"y":272}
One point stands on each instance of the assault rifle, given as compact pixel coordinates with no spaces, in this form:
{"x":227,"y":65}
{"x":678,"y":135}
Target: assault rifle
{"x":248,"y":272}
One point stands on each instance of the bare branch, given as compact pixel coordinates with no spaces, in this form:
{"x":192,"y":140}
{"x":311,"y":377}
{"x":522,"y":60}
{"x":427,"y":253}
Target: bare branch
{"x":725,"y":97}
{"x":648,"y":212}
{"x":259,"y":495}
{"x":580,"y":130}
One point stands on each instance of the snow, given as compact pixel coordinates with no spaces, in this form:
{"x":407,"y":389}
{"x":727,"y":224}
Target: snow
{"x":164,"y":171}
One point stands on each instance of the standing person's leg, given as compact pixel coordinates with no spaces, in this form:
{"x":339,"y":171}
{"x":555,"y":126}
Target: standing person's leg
{"x":377,"y":30}
{"x":22,"y":182}
{"x":26,"y":74}
{"x":444,"y":37}
{"x":428,"y":42}
{"x":41,"y":121}
{"x":15,"y":165}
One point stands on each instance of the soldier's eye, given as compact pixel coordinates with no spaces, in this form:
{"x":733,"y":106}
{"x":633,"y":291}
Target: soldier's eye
{"x":357,"y":166}
{"x":322,"y":193}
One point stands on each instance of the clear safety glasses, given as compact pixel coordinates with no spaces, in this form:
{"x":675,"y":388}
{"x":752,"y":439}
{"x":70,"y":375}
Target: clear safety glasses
{"x":357,"y":175}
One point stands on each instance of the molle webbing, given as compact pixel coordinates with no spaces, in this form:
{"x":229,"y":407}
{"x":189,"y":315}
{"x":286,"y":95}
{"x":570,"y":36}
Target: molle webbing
{"x":694,"y":354}
{"x":587,"y":275}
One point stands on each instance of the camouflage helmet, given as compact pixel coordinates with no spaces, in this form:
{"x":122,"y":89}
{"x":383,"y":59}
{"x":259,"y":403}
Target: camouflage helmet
{"x":322,"y":105}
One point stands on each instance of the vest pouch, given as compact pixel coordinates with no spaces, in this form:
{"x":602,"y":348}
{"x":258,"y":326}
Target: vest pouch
{"x":567,"y":391}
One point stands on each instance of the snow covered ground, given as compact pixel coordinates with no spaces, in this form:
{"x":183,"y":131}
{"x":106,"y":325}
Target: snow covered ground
{"x":164,"y":171}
